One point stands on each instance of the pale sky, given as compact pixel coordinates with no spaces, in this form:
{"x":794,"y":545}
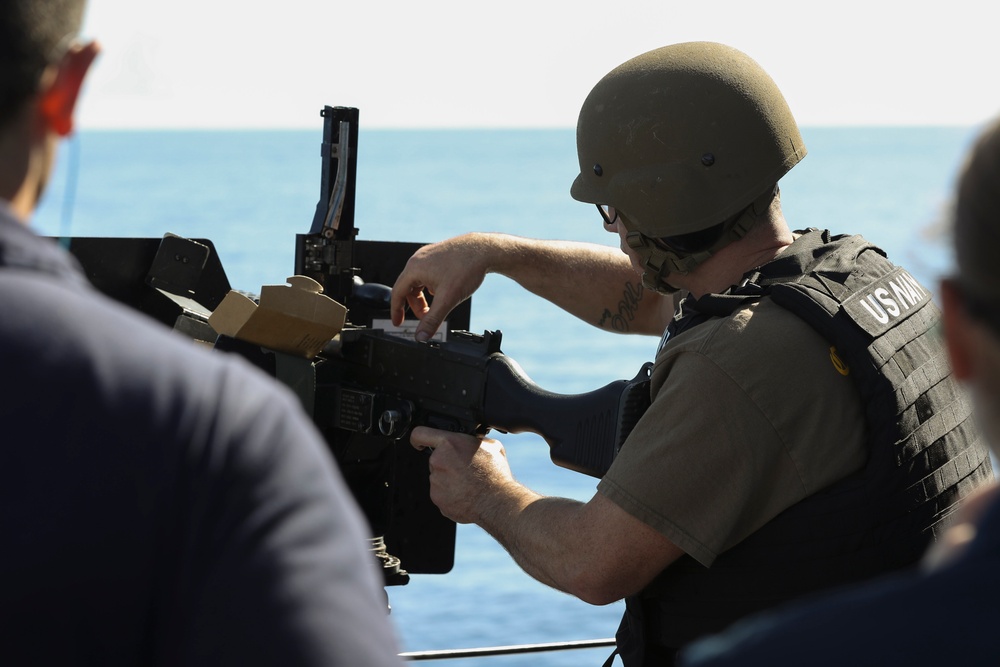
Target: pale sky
{"x":520,"y":63}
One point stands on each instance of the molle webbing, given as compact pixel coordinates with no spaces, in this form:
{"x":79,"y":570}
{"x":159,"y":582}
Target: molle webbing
{"x":924,"y":452}
{"x":883,"y":324}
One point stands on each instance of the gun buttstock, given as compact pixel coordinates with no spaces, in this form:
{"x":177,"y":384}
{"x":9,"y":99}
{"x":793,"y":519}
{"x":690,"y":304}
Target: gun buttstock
{"x":584,"y":431}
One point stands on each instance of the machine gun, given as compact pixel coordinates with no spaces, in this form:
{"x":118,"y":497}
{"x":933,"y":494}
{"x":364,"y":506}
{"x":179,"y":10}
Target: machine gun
{"x":372,"y":384}
{"x":379,"y":383}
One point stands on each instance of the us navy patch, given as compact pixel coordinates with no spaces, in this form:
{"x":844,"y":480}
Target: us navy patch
{"x":886,"y":302}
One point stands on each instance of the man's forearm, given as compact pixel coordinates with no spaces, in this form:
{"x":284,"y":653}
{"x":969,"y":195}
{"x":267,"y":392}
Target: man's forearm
{"x":593,"y":282}
{"x":534,"y":530}
{"x":595,"y":550}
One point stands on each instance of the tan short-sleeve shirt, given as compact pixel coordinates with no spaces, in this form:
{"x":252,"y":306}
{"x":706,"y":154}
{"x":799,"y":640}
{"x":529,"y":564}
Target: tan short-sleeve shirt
{"x":750,"y":414}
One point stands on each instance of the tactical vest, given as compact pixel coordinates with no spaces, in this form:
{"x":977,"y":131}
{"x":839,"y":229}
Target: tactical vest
{"x":924,"y":452}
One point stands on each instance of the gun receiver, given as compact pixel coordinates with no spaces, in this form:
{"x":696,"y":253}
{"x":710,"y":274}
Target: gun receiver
{"x":380,"y":385}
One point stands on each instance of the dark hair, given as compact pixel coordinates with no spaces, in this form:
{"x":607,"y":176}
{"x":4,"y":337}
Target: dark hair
{"x":32,"y":33}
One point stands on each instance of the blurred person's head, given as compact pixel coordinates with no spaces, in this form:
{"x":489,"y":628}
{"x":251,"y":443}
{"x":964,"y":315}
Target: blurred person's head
{"x":42,"y":68}
{"x":971,"y":298}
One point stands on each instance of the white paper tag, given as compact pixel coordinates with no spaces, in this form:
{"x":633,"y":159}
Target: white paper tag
{"x":408,"y":329}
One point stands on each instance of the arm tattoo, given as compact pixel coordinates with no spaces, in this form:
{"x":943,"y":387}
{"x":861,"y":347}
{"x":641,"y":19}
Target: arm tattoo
{"x":627,"y":308}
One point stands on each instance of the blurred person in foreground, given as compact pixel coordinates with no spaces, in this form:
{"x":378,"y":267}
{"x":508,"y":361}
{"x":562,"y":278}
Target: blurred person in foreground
{"x":804,"y":430}
{"x":160,"y":504}
{"x":945,"y":611}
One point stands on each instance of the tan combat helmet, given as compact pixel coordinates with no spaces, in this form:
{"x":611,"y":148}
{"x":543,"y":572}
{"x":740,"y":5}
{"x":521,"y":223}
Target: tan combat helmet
{"x":681,"y":140}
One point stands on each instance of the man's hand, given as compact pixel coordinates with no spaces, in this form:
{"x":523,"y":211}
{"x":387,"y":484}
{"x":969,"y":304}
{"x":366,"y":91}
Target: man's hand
{"x":465,"y":471}
{"x":450,"y":271}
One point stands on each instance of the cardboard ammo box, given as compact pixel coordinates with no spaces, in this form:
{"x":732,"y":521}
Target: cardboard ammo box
{"x":295,"y":318}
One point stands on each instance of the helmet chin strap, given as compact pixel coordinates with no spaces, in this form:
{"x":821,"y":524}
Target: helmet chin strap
{"x":659,"y":260}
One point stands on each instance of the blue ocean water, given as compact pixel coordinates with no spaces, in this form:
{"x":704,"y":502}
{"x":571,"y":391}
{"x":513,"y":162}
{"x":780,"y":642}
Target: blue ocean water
{"x":251,"y":192}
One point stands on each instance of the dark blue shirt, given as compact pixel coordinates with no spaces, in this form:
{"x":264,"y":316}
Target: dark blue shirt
{"x":947,"y":616}
{"x":162,"y":504}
